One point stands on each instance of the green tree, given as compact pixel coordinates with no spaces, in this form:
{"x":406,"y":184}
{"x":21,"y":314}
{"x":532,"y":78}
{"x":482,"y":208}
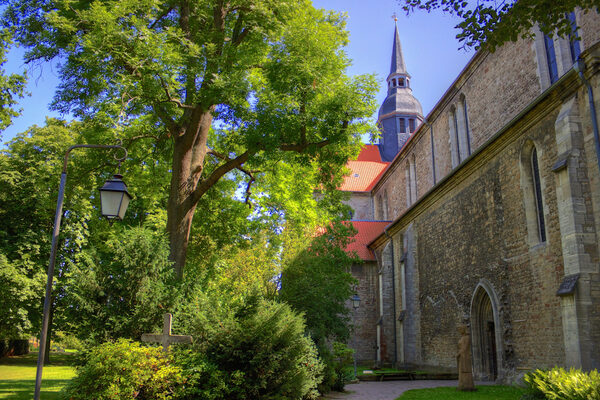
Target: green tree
{"x":120,"y":286}
{"x":491,"y":23}
{"x":268,"y":76}
{"x":17,"y":293}
{"x":316,"y":281}
{"x":12,"y":86}
{"x":29,"y":175}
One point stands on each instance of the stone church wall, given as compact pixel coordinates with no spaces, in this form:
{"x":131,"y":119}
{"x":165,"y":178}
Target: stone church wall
{"x":365,"y":317}
{"x":495,"y":88}
{"x":474,"y":231}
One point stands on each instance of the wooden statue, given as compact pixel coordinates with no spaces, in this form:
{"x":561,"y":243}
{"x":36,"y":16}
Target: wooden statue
{"x":463,"y":359}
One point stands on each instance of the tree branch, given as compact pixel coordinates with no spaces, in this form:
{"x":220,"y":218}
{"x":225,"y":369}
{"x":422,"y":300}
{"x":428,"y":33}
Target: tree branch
{"x":170,"y":98}
{"x":250,"y":174}
{"x":160,"y":17}
{"x":213,"y":178}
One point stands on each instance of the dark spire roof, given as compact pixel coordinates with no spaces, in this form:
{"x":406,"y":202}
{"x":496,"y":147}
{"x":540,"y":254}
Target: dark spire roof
{"x":397,"y":66}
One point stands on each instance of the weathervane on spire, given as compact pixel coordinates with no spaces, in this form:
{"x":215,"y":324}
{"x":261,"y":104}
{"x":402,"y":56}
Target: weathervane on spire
{"x":395,"y":16}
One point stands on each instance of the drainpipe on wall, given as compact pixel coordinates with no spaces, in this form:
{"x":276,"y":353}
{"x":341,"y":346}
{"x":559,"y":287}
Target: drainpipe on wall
{"x":380,"y":320}
{"x":393,"y":297}
{"x":580,"y":67}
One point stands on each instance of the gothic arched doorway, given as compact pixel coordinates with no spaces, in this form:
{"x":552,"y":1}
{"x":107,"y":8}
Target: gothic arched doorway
{"x":485,"y":334}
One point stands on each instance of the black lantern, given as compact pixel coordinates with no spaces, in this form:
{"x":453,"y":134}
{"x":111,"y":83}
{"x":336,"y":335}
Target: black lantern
{"x":355,"y":301}
{"x":114,"y":198}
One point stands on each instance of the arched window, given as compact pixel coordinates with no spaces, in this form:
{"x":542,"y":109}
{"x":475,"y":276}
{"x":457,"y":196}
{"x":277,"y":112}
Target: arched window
{"x":385,"y":206}
{"x":537,"y":188}
{"x":465,"y":125}
{"x":411,"y":125}
{"x":454,"y":137}
{"x":401,"y":82}
{"x":551,"y":58}
{"x":532,"y":184}
{"x":460,"y":138}
{"x":573,"y":38}
{"x":394,"y":82}
{"x":413,"y":178}
{"x":408,"y":184}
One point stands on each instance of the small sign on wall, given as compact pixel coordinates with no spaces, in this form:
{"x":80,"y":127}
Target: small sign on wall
{"x":568,"y":285}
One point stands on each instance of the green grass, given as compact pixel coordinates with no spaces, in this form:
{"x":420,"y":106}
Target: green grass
{"x":17,"y":376}
{"x":450,"y":393}
{"x":360,"y":369}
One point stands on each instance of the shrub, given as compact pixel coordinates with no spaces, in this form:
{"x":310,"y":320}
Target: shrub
{"x":125,"y":370}
{"x":67,"y":341}
{"x":254,"y":351}
{"x":335,"y":372}
{"x":559,"y":384}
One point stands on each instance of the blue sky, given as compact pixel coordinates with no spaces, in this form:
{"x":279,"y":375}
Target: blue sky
{"x":428,"y":41}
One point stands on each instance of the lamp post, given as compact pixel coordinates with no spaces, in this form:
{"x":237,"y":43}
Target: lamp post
{"x":355,"y":305}
{"x":113,"y":196}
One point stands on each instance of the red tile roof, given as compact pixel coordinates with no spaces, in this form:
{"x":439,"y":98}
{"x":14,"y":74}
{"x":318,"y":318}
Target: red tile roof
{"x":367,"y":232}
{"x":364,"y":171}
{"x":369,"y":152}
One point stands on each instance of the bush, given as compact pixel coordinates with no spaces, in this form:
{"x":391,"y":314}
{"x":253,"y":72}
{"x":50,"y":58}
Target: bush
{"x":255,"y":350}
{"x":335,"y":373}
{"x":125,"y":370}
{"x":66,"y":341}
{"x":559,"y":384}
{"x":266,"y":355}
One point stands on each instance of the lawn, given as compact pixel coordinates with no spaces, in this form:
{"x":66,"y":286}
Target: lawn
{"x":17,"y":376}
{"x":450,"y":393}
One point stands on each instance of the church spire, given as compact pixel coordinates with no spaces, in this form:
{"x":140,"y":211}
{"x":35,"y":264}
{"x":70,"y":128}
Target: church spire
{"x":397,"y":66}
{"x":400,"y":113}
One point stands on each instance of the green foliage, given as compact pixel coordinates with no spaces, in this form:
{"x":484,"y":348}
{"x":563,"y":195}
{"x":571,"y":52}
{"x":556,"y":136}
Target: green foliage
{"x":490,"y":23}
{"x":560,"y":384}
{"x":316,"y":280}
{"x":125,"y":370}
{"x":336,"y":360}
{"x":11,"y":86}
{"x":270,"y":75}
{"x":67,"y":341}
{"x":17,"y":295}
{"x":261,"y":351}
{"x":121,"y":286}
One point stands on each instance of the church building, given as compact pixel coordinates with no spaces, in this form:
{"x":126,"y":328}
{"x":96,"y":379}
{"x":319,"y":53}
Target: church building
{"x":485,"y":212}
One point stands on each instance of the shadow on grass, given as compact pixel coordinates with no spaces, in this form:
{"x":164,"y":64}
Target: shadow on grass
{"x":23,"y":389}
{"x":57,"y":359}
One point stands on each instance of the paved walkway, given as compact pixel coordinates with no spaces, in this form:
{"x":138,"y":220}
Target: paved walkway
{"x":387,"y":390}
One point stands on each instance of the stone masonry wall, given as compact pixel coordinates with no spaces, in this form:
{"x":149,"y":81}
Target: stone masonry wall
{"x":496,"y":87}
{"x":362,"y":205}
{"x":478,"y":232}
{"x":366,"y":316}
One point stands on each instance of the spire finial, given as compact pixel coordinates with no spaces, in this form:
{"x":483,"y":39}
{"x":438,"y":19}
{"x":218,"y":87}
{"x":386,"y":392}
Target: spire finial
{"x":395,"y":17}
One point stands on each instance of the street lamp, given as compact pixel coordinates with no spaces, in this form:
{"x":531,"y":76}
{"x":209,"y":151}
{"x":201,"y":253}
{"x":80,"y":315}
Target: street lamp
{"x":355,"y":304}
{"x":355,"y":301}
{"x":114,"y":200}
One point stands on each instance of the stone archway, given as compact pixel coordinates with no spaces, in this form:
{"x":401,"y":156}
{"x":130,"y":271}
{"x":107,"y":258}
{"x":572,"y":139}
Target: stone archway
{"x":485,"y":333}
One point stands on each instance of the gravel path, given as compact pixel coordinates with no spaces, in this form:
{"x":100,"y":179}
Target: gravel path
{"x":387,"y":390}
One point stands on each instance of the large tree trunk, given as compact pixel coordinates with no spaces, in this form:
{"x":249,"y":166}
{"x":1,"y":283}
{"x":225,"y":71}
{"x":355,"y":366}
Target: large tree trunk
{"x":188,"y":160}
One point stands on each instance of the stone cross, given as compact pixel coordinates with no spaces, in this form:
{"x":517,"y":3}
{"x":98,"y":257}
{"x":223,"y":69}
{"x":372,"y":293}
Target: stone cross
{"x":166,"y":339}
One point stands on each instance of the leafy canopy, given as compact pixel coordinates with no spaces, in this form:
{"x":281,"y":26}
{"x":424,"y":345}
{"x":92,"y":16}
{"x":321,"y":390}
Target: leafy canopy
{"x":491,"y":23}
{"x":244,"y":85}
